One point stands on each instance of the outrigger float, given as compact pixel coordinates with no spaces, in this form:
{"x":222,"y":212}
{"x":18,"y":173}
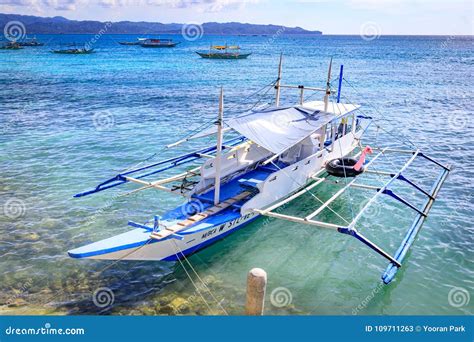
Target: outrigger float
{"x":277,"y":154}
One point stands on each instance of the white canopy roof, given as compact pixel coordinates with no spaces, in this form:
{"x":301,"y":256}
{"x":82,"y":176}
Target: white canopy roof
{"x":277,"y":129}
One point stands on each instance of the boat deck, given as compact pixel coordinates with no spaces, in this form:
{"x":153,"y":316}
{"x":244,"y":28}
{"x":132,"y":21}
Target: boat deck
{"x":244,"y":182}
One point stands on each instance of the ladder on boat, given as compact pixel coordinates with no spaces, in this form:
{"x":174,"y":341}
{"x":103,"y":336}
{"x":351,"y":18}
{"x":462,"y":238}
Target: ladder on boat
{"x":185,"y":224}
{"x":350,"y":229}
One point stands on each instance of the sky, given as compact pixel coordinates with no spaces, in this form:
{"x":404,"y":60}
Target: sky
{"x":425,"y":17}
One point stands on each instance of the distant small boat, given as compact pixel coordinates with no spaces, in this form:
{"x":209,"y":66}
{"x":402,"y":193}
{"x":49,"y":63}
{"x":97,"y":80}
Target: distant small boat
{"x":11,"y":46}
{"x":223,"y":52}
{"x":30,"y":42}
{"x":74,"y":51}
{"x":158,"y":43}
{"x":138,"y":42}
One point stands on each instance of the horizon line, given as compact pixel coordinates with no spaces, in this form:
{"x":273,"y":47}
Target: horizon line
{"x":312,"y":32}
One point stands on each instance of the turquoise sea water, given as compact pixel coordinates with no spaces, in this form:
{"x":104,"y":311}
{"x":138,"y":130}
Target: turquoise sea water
{"x":70,"y":122}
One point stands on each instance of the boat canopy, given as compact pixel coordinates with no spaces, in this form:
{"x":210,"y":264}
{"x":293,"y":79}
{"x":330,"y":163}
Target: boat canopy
{"x":224,"y":47}
{"x":278,"y":129}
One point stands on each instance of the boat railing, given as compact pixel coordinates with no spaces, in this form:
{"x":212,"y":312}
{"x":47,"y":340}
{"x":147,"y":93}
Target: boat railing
{"x":302,"y":88}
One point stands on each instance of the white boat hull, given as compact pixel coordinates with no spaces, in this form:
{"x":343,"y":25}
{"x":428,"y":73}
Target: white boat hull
{"x":144,"y":248}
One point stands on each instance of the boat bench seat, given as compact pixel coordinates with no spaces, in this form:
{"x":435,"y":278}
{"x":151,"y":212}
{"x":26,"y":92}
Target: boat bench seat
{"x":252,"y":182}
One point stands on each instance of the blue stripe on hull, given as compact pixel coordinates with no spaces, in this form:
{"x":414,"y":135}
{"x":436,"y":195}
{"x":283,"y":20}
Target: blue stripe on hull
{"x":206,"y":243}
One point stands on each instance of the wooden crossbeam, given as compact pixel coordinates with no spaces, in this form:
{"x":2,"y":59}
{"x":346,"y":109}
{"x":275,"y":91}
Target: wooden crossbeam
{"x":157,"y":184}
{"x":184,"y":224}
{"x":364,"y":186}
{"x":150,"y":184}
{"x":396,"y":150}
{"x":299,"y":219}
{"x":206,"y":155}
{"x":381,"y":173}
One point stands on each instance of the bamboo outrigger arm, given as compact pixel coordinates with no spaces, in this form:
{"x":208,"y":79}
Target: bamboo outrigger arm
{"x":159,"y":167}
{"x":421,"y":214}
{"x":155,"y":184}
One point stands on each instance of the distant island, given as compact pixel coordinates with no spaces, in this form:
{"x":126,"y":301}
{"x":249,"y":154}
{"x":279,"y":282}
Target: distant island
{"x":61,"y":25}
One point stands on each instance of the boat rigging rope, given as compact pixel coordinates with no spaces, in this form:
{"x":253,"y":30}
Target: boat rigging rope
{"x":209,"y":123}
{"x":377,"y":174}
{"x":342,"y":159}
{"x":309,"y":191}
{"x":403,"y":136}
{"x":382,"y":152}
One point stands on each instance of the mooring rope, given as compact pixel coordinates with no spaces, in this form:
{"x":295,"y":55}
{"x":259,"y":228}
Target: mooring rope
{"x":199,"y":278}
{"x":192,"y":281}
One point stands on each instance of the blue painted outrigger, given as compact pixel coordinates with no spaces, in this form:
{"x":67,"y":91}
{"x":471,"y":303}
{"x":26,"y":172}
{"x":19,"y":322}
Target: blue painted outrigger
{"x":276,"y":155}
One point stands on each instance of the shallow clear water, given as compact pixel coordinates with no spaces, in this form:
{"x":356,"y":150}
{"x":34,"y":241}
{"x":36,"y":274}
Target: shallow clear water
{"x":69,"y":122}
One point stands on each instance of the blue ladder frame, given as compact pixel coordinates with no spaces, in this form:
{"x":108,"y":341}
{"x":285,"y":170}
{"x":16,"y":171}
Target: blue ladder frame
{"x":421,"y":214}
{"x":420,"y":218}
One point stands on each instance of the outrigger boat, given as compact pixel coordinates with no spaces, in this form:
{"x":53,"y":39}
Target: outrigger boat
{"x":74,"y":51}
{"x":277,"y":154}
{"x":139,"y":41}
{"x":30,"y":42}
{"x":223,"y":52}
{"x":11,"y":46}
{"x":158,"y":43}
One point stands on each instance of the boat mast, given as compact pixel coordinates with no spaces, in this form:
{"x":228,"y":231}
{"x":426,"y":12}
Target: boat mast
{"x":328,"y":88}
{"x":277,"y":86}
{"x":220,"y":119}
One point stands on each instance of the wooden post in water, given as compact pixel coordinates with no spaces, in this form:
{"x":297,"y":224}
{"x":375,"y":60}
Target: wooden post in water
{"x":256,"y":286}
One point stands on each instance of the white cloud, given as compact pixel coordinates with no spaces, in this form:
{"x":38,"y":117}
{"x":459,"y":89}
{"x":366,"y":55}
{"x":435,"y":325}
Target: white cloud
{"x":60,"y":5}
{"x":203,"y":5}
